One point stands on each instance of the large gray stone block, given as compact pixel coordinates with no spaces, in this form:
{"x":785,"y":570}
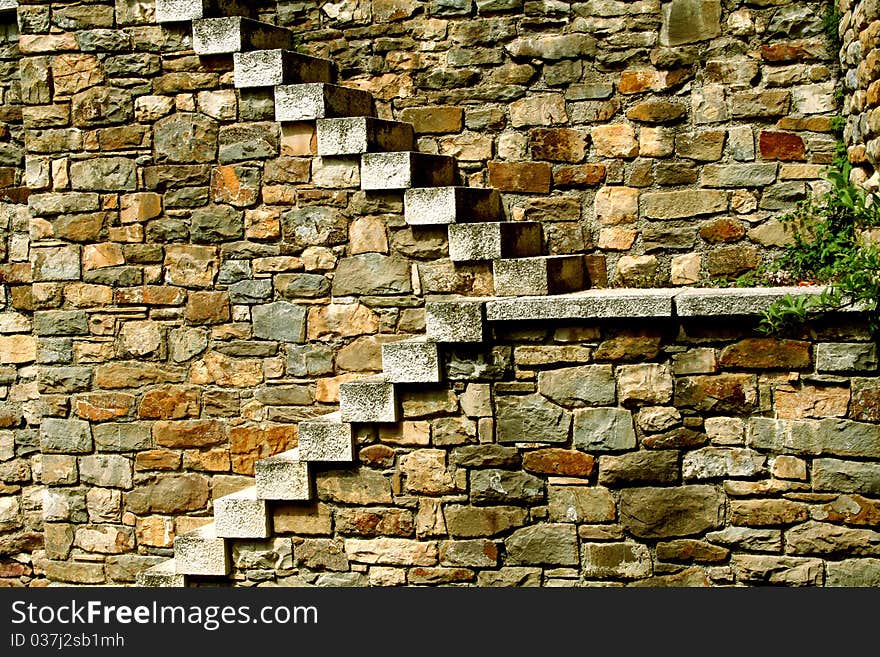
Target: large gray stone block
{"x":454,"y":321}
{"x":363,"y":134}
{"x":268,"y":68}
{"x":283,"y":477}
{"x":316,"y":100}
{"x":406,"y":169}
{"x":833,"y":436}
{"x":591,"y":304}
{"x":494,"y":240}
{"x":714,"y":302}
{"x":175,"y":11}
{"x":843,"y":357}
{"x":162,"y":575}
{"x":201,"y":552}
{"x":241,"y":515}
{"x":411,"y":361}
{"x":603,"y":429}
{"x":217,"y":36}
{"x":437,"y":206}
{"x":368,"y":401}
{"x":326,"y":439}
{"x":538,"y":276}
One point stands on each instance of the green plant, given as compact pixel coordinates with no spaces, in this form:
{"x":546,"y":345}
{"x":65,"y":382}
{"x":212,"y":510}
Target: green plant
{"x":831,"y":24}
{"x":831,"y":246}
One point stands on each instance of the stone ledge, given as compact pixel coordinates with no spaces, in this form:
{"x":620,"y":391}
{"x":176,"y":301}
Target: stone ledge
{"x":622,"y":303}
{"x":8,"y":5}
{"x":743,"y":302}
{"x":590,"y":304}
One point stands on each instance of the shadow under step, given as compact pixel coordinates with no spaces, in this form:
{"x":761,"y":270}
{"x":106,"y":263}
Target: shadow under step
{"x":437,"y":206}
{"x":460,"y":320}
{"x":222,"y":36}
{"x":162,"y":575}
{"x":241,"y":515}
{"x":318,"y":100}
{"x":362,"y":134}
{"x":201,"y":552}
{"x":539,"y":276}
{"x":268,"y":68}
{"x":176,"y":11}
{"x":326,"y":439}
{"x":495,"y":240}
{"x":411,"y":361}
{"x":369,"y":400}
{"x":388,"y":171}
{"x":284,"y":476}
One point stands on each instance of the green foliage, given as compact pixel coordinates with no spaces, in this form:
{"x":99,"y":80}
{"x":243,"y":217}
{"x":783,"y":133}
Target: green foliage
{"x":831,"y":24}
{"x":830,"y":247}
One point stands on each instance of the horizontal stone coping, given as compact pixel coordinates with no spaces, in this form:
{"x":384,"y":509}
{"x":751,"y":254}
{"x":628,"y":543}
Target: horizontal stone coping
{"x":623,"y":303}
{"x":8,"y":5}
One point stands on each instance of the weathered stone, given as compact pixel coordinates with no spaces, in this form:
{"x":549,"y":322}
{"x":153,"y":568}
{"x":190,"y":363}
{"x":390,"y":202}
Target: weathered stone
{"x":829,"y":436}
{"x":185,"y":138}
{"x":680,"y":511}
{"x":616,"y":560}
{"x":171,"y":493}
{"x":763,"y":513}
{"x":689,"y":21}
{"x":843,"y":357}
{"x":580,"y":504}
{"x":767,"y":353}
{"x":617,"y":140}
{"x":530,"y":419}
{"x":553,"y":47}
{"x":488,"y":486}
{"x":279,"y":321}
{"x":426,"y":472}
{"x":734,"y":393}
{"x":561,"y":462}
{"x":639,"y":467}
{"x":603,"y":429}
{"x":372,"y":274}
{"x":65,"y":436}
{"x":644,"y":384}
{"x":846,"y":476}
{"x":392,"y":551}
{"x":789,"y":571}
{"x":551,"y":544}
{"x":578,"y":386}
{"x":359,"y":487}
{"x":617,"y":205}
{"x":853,"y":573}
{"x":470,"y":521}
{"x":510,"y":577}
{"x":684,"y":204}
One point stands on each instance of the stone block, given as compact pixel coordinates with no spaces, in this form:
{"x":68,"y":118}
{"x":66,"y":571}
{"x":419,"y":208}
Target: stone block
{"x":201,"y":552}
{"x":530,"y":419}
{"x":596,"y":304}
{"x":368,"y":401}
{"x":283,"y":477}
{"x":163,"y":575}
{"x":241,"y":515}
{"x":470,"y":242}
{"x":538,"y":276}
{"x":603,"y":429}
{"x":709,"y":302}
{"x":402,"y":170}
{"x":216,"y":36}
{"x":689,"y":21}
{"x":326,"y":439}
{"x":363,"y":134}
{"x":432,"y":206}
{"x":316,"y":100}
{"x":268,"y":68}
{"x":454,"y":321}
{"x":411,"y":361}
{"x":846,"y":357}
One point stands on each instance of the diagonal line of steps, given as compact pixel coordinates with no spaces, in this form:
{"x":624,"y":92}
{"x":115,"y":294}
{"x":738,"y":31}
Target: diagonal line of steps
{"x":224,"y":36}
{"x":361,"y":134}
{"x":318,"y":100}
{"x":268,"y":68}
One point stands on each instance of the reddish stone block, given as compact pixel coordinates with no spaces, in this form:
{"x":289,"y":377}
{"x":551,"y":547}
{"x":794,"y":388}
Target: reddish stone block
{"x":170,"y":403}
{"x":781,"y":146}
{"x":563,"y":462}
{"x":525,"y":177}
{"x":189,"y":433}
{"x":250,"y":444}
{"x":557,"y":144}
{"x":722,"y":230}
{"x":579,"y":175}
{"x":207,"y":308}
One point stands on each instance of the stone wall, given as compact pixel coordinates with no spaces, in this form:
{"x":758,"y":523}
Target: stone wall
{"x":859,"y":26}
{"x":202,"y":281}
{"x":20,"y":492}
{"x":675,"y":454}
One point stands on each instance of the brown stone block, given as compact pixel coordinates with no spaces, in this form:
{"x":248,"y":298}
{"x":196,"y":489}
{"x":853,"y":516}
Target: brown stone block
{"x":207,"y":308}
{"x":434,"y":120}
{"x":99,"y":406}
{"x":781,"y":146}
{"x":579,"y":175}
{"x":250,"y":443}
{"x":157,"y":459}
{"x":563,"y":462}
{"x":722,"y":230}
{"x":525,"y":177}
{"x":764,"y":513}
{"x":557,"y":144}
{"x":170,"y":403}
{"x":189,"y":433}
{"x":767,"y":353}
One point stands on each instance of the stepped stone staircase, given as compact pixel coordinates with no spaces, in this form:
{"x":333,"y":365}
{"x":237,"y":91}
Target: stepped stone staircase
{"x":305,"y":89}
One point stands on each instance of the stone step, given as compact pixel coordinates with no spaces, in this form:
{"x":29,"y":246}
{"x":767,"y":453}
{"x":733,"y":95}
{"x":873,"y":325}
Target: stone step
{"x":201,"y":552}
{"x":495,"y":240}
{"x":448,"y":205}
{"x":220,"y":36}
{"x":370,"y":400}
{"x":458,"y":320}
{"x":411,"y":361}
{"x":283,"y":477}
{"x":162,"y":575}
{"x":406,"y":169}
{"x":539,"y":276}
{"x":361,"y":134}
{"x":241,"y":515}
{"x":326,"y":439}
{"x":176,"y":11}
{"x":268,"y":68}
{"x":317,"y":100}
